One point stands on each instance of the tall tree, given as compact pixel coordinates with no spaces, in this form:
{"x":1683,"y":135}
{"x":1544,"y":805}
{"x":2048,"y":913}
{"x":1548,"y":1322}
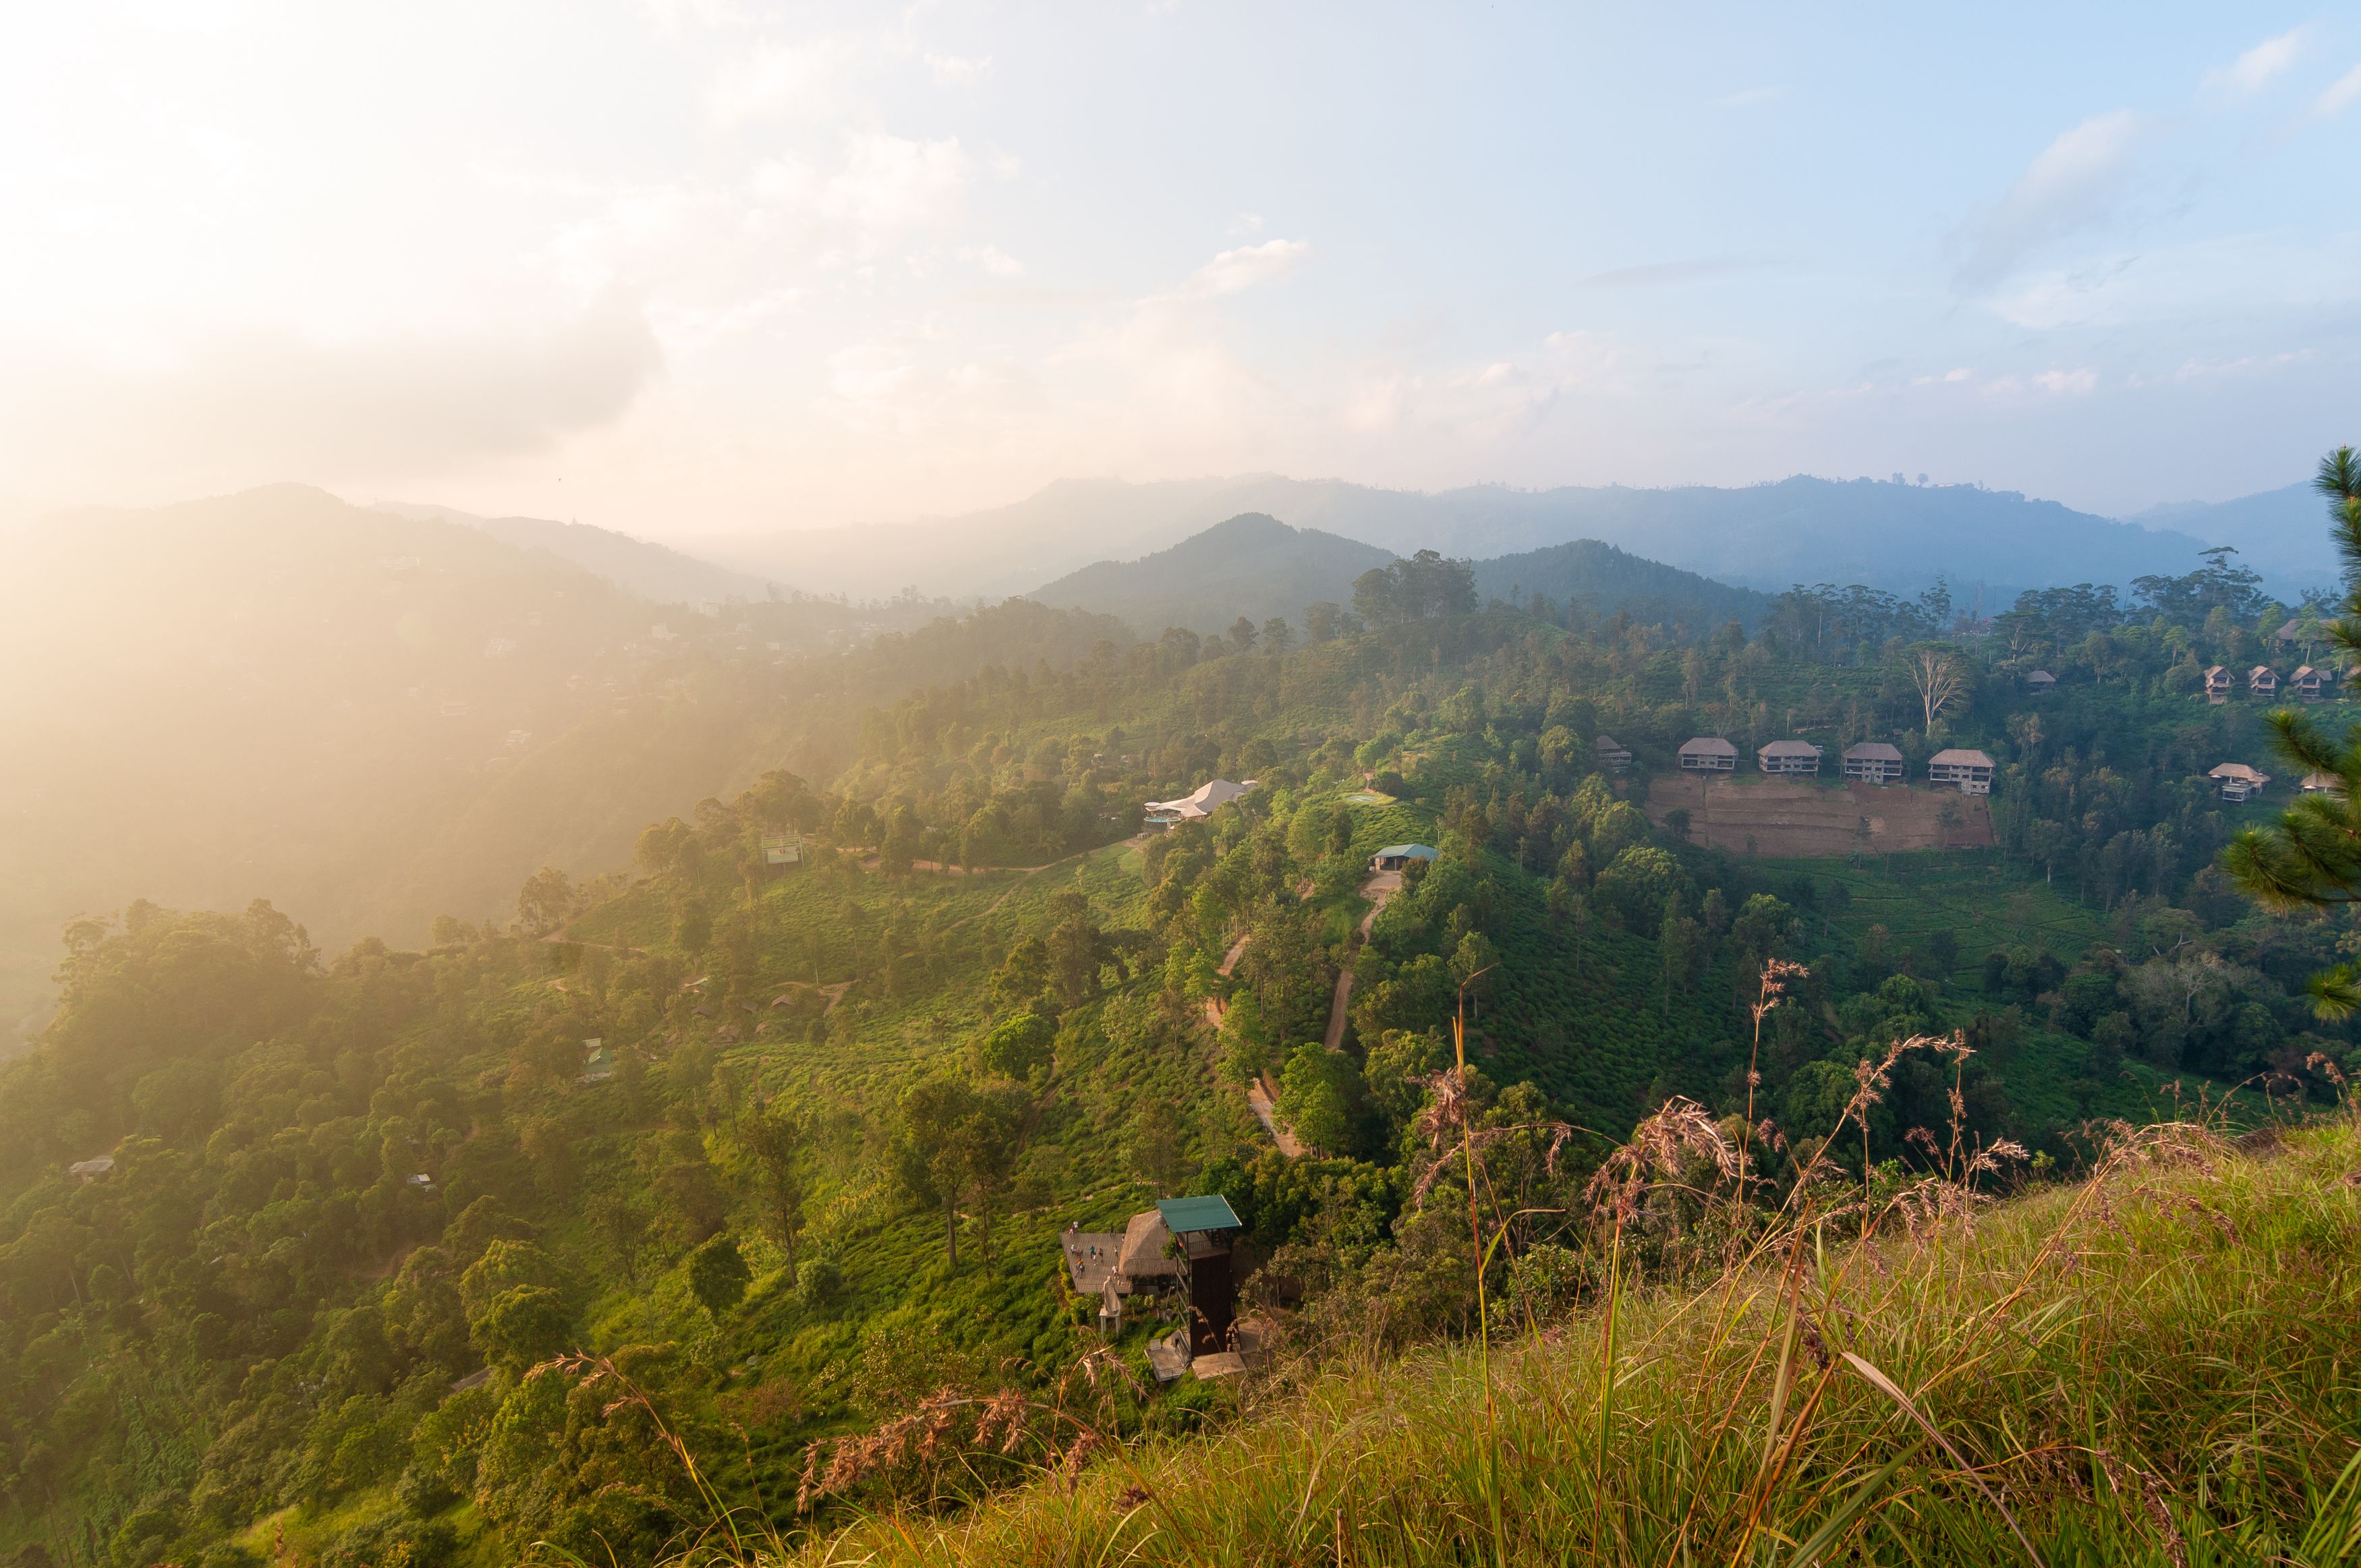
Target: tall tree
{"x":1936,"y":674}
{"x":2310,"y":858}
{"x":780,"y":1137}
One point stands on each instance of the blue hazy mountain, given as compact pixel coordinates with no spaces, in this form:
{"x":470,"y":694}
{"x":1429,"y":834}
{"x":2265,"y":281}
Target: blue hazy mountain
{"x":1989,"y":544}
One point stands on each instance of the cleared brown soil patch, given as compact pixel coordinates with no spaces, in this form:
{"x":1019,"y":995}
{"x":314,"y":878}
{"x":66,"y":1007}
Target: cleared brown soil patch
{"x":1783,"y":817}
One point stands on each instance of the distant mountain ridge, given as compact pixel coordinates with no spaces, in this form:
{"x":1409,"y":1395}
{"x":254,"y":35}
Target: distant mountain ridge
{"x":2281,"y":533}
{"x":1252,"y":565}
{"x":1990,"y":545}
{"x":654,"y":572}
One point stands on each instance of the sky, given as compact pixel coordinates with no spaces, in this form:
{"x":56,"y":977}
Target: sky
{"x":690,"y":268}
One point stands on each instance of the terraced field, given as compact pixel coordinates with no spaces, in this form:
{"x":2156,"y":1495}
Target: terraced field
{"x":1786,"y":817}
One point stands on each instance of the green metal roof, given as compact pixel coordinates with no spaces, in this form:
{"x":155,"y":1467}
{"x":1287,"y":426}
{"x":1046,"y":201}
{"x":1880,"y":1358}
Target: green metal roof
{"x":1184,"y":1215}
{"x":1406,"y":851}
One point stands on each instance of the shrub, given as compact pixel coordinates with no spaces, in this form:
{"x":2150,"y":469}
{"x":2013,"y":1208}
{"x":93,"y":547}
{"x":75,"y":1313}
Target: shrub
{"x":717,"y":1276}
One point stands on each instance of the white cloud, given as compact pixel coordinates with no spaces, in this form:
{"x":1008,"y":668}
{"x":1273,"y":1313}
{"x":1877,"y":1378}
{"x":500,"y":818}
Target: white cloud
{"x":776,"y":80}
{"x":1661,"y":273}
{"x":952,"y":70}
{"x":262,"y":404}
{"x":869,"y":372}
{"x":2070,"y":185}
{"x":993,"y":259}
{"x":2244,"y":365}
{"x":2063,"y":382}
{"x":675,"y":17}
{"x":2254,"y":69}
{"x":2244,"y":274}
{"x":2340,"y":95}
{"x":1246,"y":266}
{"x":891,"y":184}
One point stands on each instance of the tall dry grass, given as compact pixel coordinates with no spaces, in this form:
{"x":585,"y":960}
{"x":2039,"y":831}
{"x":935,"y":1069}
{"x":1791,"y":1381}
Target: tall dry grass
{"x":2154,"y":1366}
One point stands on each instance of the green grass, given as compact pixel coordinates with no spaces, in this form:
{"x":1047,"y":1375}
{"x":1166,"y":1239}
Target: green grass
{"x":2155,"y":1367}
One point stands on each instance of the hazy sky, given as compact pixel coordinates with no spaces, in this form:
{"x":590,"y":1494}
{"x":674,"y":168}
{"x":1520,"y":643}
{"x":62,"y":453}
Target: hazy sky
{"x":699,"y":266}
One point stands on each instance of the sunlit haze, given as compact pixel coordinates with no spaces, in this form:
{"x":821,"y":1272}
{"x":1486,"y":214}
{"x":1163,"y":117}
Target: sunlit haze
{"x":694,"y":268}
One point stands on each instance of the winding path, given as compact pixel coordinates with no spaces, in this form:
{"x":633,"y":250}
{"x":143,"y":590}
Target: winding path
{"x":1377,"y":889}
{"x":1380,"y":887}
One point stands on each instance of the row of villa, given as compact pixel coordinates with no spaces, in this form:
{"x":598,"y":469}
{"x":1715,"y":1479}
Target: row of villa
{"x":2240,"y":782}
{"x":1866,"y":762}
{"x":2308,"y":684}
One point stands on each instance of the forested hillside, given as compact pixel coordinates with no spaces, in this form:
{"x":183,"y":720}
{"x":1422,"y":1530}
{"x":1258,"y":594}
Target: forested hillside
{"x":783,"y":1149}
{"x":372,"y":719}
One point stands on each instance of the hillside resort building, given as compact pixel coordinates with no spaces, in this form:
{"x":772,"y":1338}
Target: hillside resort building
{"x":1708,"y":754}
{"x":1874,"y":761}
{"x":1972,"y":771}
{"x":1789,"y":760}
{"x":2239,"y":783}
{"x":1398,"y":857}
{"x":1198,"y":804}
{"x":1181,"y":1254}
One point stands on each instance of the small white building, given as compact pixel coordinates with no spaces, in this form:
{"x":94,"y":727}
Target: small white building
{"x":1874,"y":761}
{"x":1789,"y":759}
{"x":1612,"y":754}
{"x":2239,"y":783}
{"x":1970,"y":770}
{"x":91,"y":1169}
{"x":1198,"y":804}
{"x":1708,"y":754}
